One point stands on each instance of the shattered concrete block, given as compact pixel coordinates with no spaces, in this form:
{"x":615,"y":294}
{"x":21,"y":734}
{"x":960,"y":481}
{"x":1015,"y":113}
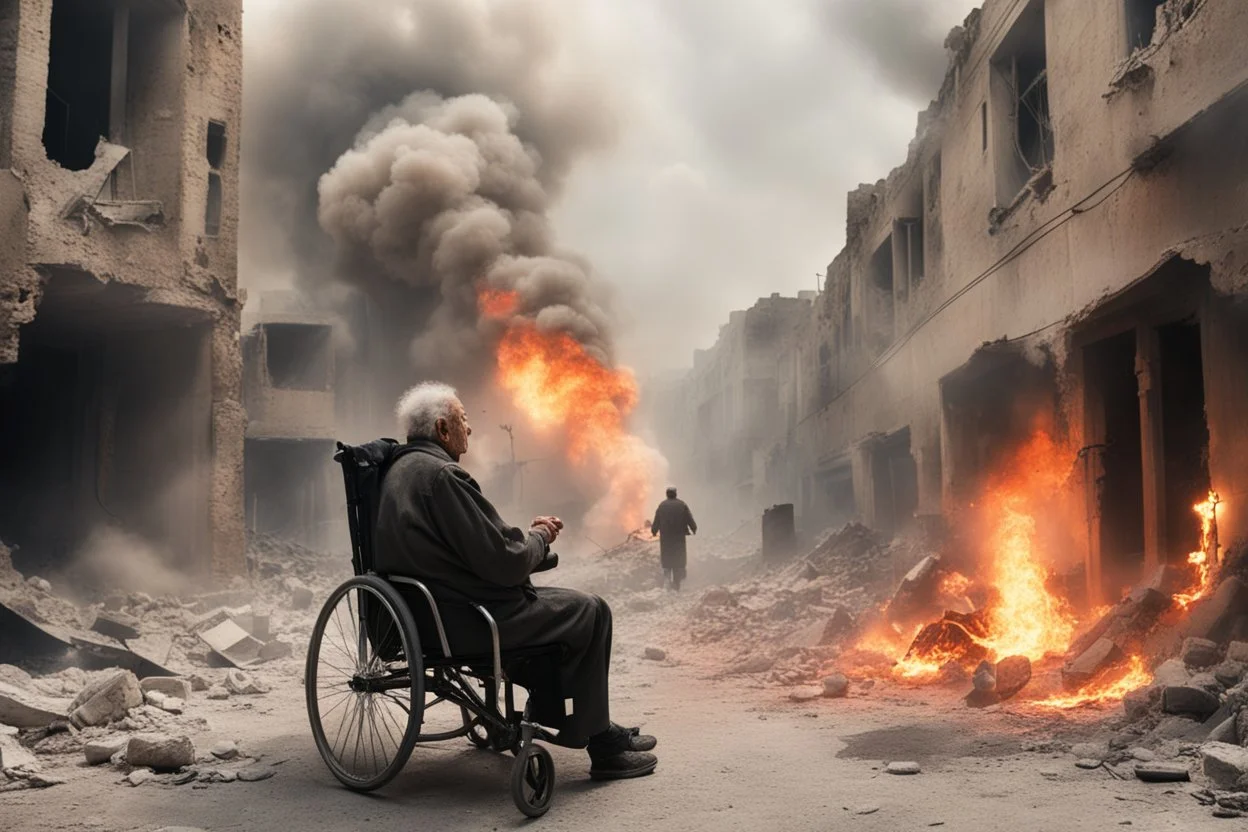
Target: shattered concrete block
{"x":1189,"y":701}
{"x":106,"y":700}
{"x":1224,"y":764}
{"x":233,"y":643}
{"x":154,"y":648}
{"x":26,"y":709}
{"x":168,"y":685}
{"x":173,"y":705}
{"x":116,"y":624}
{"x":225,"y":750}
{"x":13,"y":754}
{"x":154,"y":698}
{"x":1224,"y":731}
{"x":835,"y":686}
{"x":806,"y":693}
{"x":1171,"y":672}
{"x":160,"y":752}
{"x":99,"y":752}
{"x":1237,"y":652}
{"x":916,"y":592}
{"x":239,"y":683}
{"x":1094,"y":661}
{"x":1200,"y":652}
{"x":275,"y":650}
{"x":839,"y":626}
{"x":1138,"y":703}
{"x":1213,"y":618}
{"x":140,"y":776}
{"x":198,"y":683}
{"x":218,"y":692}
{"x":255,"y":773}
{"x":1012,"y":673}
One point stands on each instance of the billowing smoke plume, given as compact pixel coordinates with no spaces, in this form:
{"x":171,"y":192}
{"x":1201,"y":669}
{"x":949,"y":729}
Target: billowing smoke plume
{"x":904,"y":39}
{"x":442,"y":195}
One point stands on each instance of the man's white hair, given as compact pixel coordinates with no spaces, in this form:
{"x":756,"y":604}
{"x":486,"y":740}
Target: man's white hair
{"x":421,"y":407}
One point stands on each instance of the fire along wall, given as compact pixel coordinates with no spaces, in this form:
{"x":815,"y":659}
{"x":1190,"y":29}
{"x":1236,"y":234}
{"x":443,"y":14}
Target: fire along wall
{"x":1137,"y":177}
{"x":119,"y":138}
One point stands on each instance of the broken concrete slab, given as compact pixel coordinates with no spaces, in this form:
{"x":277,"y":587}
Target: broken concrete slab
{"x":1171,"y":672}
{"x":102,"y":651}
{"x":118,"y":625}
{"x":105,"y":700}
{"x":99,"y":752}
{"x":233,"y":643}
{"x":275,"y":650}
{"x":916,"y":592}
{"x":13,"y":754}
{"x":154,"y":649}
{"x":1213,"y":618}
{"x":160,"y":752}
{"x":1189,"y":701}
{"x":88,"y":184}
{"x":1094,"y":661}
{"x":26,"y":709}
{"x":148,"y":214}
{"x":1224,"y":764}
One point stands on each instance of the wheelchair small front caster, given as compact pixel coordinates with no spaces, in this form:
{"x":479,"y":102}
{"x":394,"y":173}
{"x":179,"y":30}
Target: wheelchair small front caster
{"x":533,"y":780}
{"x":479,"y":735}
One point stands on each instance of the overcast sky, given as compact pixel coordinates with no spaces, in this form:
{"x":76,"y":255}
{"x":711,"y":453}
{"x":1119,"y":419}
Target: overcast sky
{"x":739,"y":127}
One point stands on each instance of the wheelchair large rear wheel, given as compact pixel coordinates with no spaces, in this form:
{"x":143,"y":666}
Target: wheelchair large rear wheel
{"x":365,"y":683}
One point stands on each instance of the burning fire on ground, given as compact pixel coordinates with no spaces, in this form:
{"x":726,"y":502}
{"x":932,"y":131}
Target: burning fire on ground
{"x":1019,"y":614}
{"x":559,"y":385}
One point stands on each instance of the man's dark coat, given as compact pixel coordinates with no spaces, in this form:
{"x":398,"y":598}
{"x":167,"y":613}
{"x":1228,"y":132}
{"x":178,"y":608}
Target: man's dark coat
{"x":672,"y":522}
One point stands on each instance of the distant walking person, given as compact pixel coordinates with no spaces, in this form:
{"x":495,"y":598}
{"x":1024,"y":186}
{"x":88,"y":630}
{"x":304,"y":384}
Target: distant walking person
{"x":672,"y":521}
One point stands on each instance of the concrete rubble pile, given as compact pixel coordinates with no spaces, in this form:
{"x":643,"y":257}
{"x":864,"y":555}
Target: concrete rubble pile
{"x":119,"y":681}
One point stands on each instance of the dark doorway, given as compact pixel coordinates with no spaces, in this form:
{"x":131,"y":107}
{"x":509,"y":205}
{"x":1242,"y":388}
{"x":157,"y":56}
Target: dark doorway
{"x":1113,"y":391}
{"x":1185,"y":435}
{"x":895,"y":480}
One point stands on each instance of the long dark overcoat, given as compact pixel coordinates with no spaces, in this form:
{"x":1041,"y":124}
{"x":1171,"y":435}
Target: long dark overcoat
{"x":672,"y":522}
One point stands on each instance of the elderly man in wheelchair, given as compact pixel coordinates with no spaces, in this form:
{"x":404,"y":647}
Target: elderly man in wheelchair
{"x":442,"y":599}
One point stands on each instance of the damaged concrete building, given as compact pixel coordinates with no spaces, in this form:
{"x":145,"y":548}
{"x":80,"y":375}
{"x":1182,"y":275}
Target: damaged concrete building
{"x":120,"y":370}
{"x":1065,"y":246}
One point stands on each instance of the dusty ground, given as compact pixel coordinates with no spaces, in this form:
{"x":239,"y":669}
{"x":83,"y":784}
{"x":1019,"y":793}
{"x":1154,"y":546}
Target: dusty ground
{"x":733,"y":755}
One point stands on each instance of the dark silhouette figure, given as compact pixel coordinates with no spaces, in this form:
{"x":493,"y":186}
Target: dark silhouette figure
{"x":672,"y":522}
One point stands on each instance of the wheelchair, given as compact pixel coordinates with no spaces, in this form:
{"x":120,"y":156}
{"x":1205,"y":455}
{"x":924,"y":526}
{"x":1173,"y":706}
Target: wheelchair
{"x":370,"y":679}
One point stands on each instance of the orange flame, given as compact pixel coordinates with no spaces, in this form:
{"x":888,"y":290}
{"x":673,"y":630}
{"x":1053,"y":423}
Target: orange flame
{"x":1208,"y":513}
{"x":1134,"y":677}
{"x":558,"y":384}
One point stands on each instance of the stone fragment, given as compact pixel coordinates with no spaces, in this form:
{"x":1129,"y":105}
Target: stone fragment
{"x":1189,"y":701}
{"x":13,"y":754}
{"x":154,"y":698}
{"x":168,"y":685}
{"x":239,"y":683}
{"x":40,"y":584}
{"x":1237,"y":652}
{"x":1162,"y":772}
{"x":655,"y":654}
{"x":984,"y":679}
{"x":225,"y":750}
{"x":160,"y":752}
{"x":838,"y":626}
{"x":835,"y":686}
{"x":252,"y":774}
{"x":902,"y":768}
{"x":805,"y":694}
{"x":1138,"y":703}
{"x":1213,"y":618}
{"x":198,"y":684}
{"x":916,"y":592}
{"x":1144,"y":755}
{"x":982,"y":698}
{"x":116,"y":624}
{"x":1225,"y":732}
{"x":233,"y":643}
{"x":1090,"y":750}
{"x":140,"y":776}
{"x":1171,"y":672}
{"x":173,"y":705}
{"x":1013,"y":673}
{"x":184,"y":778}
{"x":1224,"y":812}
{"x":218,"y":692}
{"x":1098,"y":658}
{"x":1200,"y":652}
{"x":1229,"y":673}
{"x":108,"y":699}
{"x":1087,"y":763}
{"x":758,"y":663}
{"x":1224,"y":764}
{"x":101,"y":751}
{"x":1241,"y":727}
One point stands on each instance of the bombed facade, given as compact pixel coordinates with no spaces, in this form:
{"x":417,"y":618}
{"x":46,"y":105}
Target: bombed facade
{"x":1063,"y":253}
{"x":120,"y":371}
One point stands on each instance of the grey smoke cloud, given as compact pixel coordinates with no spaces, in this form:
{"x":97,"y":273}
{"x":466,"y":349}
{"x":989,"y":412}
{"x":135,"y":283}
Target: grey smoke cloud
{"x":444,"y":196}
{"x":903,"y":39}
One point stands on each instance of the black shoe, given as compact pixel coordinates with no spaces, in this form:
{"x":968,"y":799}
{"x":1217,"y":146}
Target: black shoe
{"x":638,"y":741}
{"x":622,"y":766}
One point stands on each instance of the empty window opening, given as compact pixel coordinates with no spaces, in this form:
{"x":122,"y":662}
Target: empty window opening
{"x":298,"y":356}
{"x":212,"y":211}
{"x":880,"y":291}
{"x":1141,"y":22}
{"x":1021,"y":94}
{"x":983,"y":125}
{"x":80,"y":76}
{"x":287,"y":489}
{"x":216,"y":145}
{"x":910,"y":239}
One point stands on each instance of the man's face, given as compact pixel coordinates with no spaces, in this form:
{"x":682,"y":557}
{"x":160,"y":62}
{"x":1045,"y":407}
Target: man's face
{"x":453,"y":431}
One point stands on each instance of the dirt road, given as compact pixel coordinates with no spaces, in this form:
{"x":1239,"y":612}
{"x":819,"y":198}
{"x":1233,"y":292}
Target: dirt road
{"x":731,"y":757}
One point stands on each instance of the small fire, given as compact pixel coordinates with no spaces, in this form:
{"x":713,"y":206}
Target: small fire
{"x":558,"y":384}
{"x":1135,"y":676}
{"x":1208,"y":513}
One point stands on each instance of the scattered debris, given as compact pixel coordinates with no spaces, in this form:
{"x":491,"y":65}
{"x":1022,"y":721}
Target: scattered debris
{"x":162,"y":753}
{"x":902,"y":768}
{"x":655,"y":654}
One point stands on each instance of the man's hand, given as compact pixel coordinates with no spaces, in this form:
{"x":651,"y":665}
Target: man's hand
{"x":547,"y":527}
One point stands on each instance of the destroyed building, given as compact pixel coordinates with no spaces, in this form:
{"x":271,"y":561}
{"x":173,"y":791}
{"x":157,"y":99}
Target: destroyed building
{"x":288,"y":390}
{"x":120,"y":371}
{"x":1067,"y":244}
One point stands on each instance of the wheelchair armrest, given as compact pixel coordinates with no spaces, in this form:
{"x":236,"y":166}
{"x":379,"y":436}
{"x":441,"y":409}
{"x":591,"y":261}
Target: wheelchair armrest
{"x":549,"y":562}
